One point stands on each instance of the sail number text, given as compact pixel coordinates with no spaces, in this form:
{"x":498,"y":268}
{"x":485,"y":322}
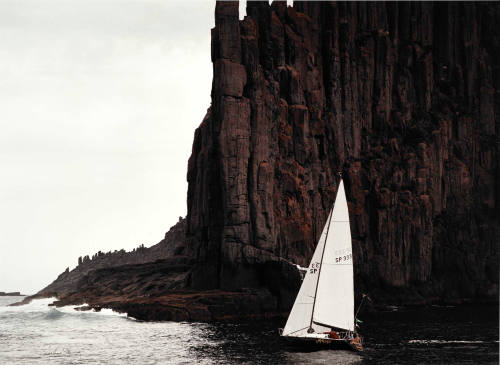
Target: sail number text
{"x":344,"y":258}
{"x":313,"y":269}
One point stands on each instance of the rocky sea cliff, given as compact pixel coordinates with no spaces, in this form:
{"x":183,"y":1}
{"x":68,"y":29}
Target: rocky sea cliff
{"x":403,"y":98}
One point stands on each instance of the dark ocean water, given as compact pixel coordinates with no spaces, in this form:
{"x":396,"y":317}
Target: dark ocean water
{"x":39,"y":334}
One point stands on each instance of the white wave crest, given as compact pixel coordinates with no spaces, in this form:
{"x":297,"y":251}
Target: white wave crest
{"x":36,"y":305}
{"x":71,"y":309}
{"x":440,"y":342}
{"x":43,"y":306}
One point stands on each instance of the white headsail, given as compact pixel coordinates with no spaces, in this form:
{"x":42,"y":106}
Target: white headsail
{"x":299,"y":319}
{"x":327,"y":292}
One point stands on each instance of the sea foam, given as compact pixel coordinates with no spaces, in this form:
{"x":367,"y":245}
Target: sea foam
{"x":52,"y":312}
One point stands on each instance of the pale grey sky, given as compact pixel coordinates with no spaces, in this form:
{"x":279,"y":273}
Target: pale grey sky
{"x":99,"y":101}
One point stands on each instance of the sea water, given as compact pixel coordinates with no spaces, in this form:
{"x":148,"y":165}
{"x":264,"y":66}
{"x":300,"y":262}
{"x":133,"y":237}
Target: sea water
{"x":37,"y":333}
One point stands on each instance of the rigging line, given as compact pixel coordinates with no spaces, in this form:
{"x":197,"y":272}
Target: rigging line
{"x":330,"y":326}
{"x":360,"y":304}
{"x":321,"y":264}
{"x":295,"y":331}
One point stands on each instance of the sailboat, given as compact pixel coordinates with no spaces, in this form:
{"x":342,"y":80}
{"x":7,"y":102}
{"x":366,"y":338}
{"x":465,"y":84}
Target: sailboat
{"x":323,"y":312}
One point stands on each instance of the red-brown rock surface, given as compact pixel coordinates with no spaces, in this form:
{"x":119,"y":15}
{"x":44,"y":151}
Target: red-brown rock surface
{"x":401,"y":97}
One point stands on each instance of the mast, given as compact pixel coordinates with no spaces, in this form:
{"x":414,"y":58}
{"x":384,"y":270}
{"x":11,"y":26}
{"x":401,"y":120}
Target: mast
{"x":311,"y":330}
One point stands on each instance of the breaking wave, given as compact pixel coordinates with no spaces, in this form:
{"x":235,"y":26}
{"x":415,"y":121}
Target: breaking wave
{"x":43,"y":307}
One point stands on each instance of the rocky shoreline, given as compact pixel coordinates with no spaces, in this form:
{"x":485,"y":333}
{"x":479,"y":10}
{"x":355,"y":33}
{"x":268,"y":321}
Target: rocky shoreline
{"x":191,"y":306}
{"x":227,"y":306}
{"x":157,"y":291}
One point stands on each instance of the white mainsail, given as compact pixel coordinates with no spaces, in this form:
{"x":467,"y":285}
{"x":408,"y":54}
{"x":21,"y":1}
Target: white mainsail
{"x":329,"y":279}
{"x":335,"y":296}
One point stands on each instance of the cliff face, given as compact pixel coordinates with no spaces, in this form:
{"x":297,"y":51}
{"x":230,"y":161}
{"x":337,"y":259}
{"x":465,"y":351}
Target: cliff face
{"x":403,"y":98}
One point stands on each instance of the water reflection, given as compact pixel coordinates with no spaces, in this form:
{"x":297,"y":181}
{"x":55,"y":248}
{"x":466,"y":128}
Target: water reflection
{"x":258,"y":343}
{"x":439,"y":335}
{"x":37,"y":334}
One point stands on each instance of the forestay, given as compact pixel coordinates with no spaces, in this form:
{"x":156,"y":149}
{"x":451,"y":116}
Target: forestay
{"x":335,"y":295}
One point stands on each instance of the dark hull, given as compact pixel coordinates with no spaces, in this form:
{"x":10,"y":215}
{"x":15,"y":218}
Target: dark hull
{"x":314,"y":344}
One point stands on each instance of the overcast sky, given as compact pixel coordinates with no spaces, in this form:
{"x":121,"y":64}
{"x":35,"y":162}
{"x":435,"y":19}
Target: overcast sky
{"x":99,"y":101}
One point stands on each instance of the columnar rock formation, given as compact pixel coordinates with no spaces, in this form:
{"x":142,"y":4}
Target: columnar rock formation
{"x":403,"y":98}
